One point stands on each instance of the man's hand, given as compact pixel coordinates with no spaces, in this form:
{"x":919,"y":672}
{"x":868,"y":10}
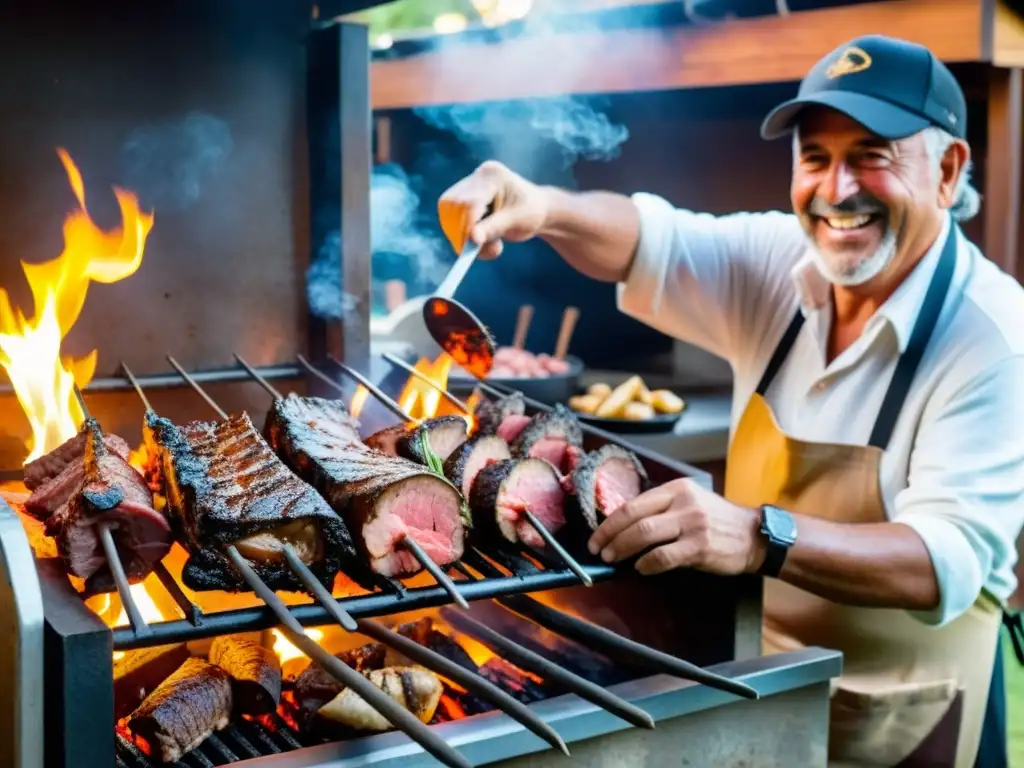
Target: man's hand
{"x":688,"y":526}
{"x":520,"y":208}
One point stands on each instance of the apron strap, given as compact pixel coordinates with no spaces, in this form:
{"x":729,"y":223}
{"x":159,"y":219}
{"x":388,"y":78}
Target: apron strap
{"x":1013,"y":623}
{"x":781,"y":353}
{"x":910,"y":360}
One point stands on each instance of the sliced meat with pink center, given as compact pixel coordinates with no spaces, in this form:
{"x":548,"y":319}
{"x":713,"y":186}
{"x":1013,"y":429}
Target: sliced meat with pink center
{"x":473,"y":455}
{"x":549,"y":436}
{"x":606,"y":479}
{"x":489,"y":414}
{"x":506,"y":489}
{"x":511,"y":426}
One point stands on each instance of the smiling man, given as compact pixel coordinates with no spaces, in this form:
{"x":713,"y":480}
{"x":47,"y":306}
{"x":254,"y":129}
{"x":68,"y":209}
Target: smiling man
{"x":875,"y":473}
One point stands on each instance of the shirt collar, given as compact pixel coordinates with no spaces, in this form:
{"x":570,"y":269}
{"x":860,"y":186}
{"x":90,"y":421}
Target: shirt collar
{"x":899,"y":311}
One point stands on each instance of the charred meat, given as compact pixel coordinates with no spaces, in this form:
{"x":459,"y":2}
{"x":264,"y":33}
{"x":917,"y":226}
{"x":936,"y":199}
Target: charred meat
{"x":110,"y":491}
{"x":473,"y":455}
{"x":606,"y":479}
{"x":504,"y":490}
{"x":555,"y":436}
{"x":382,"y":498}
{"x":315,"y":686}
{"x":184,"y":710}
{"x":70,"y":452}
{"x":255,"y":673}
{"x":224,"y":485}
{"x":416,"y":689}
{"x":138,"y":672}
{"x":444,"y":434}
{"x":489,"y":414}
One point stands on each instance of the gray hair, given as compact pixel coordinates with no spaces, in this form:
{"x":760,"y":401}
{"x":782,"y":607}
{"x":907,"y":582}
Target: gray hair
{"x":966,"y":199}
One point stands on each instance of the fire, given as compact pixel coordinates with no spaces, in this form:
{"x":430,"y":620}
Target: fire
{"x":422,"y":401}
{"x":30,"y":348}
{"x":359,"y":400}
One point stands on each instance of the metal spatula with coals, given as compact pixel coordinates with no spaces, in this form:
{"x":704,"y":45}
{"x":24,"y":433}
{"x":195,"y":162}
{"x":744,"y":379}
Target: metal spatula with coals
{"x":457,"y":330}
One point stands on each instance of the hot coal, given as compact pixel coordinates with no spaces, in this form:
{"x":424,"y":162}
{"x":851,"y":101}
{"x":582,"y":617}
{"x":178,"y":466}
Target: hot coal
{"x":111,"y":492}
{"x":69,"y":452}
{"x":184,"y":710}
{"x":224,"y":485}
{"x":139,"y":672}
{"x":606,"y":479}
{"x":555,"y":436}
{"x":383,"y":498}
{"x":474,"y":454}
{"x":512,"y":680}
{"x":255,"y":673}
{"x":426,"y":634}
{"x":504,"y":490}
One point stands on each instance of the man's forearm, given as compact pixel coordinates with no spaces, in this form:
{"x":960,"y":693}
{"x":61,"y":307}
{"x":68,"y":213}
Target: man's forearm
{"x":881,"y":565}
{"x":595,"y":232}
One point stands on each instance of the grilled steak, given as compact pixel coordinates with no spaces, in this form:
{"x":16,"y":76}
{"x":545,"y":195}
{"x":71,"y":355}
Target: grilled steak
{"x":553,"y":436}
{"x":382,"y":498}
{"x":415,"y":688}
{"x":184,"y":710}
{"x":489,"y":414}
{"x":69,"y":452}
{"x":110,"y":491}
{"x":255,"y":674}
{"x":606,"y":479}
{"x":504,"y":490}
{"x":511,"y":426}
{"x":445,"y":434}
{"x":472,"y":456}
{"x":225,"y":486}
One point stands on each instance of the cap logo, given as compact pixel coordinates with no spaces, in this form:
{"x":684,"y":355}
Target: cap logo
{"x":851,"y":60}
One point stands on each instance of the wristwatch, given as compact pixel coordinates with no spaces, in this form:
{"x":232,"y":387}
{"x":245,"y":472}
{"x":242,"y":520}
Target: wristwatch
{"x":780,"y":529}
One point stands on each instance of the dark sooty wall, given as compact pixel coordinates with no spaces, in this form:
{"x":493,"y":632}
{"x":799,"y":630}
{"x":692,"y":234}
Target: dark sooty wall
{"x":198,"y":107}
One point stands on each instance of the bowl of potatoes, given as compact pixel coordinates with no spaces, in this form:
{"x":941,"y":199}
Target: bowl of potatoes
{"x":629,"y":407}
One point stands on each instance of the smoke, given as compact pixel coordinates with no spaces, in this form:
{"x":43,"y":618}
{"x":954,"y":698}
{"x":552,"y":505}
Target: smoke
{"x":169,"y":163}
{"x":406,"y":244}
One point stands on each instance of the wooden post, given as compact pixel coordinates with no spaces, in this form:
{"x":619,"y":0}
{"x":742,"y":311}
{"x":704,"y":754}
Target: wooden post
{"x":1003,"y":161}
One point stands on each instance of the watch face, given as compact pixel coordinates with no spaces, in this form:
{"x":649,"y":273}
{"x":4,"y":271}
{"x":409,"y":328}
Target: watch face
{"x":779,"y":524}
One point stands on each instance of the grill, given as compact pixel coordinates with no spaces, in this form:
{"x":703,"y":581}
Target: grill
{"x":566,"y":654}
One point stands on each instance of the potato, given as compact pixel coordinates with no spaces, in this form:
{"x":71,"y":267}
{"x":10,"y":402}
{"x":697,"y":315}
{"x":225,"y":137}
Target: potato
{"x":620,"y":397}
{"x":637,"y":411}
{"x":644,"y":395}
{"x":665,"y":401}
{"x":601,"y":390}
{"x":585,"y":403}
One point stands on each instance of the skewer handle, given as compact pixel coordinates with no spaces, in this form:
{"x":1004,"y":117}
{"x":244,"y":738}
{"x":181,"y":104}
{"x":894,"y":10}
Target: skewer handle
{"x":473,"y":683}
{"x":396,"y":714}
{"x":432,"y":568}
{"x":552,"y":542}
{"x":121,"y":581}
{"x":271,"y":390}
{"x":569,"y":318}
{"x":530,"y":661}
{"x":522,"y":326}
{"x":314,"y":585}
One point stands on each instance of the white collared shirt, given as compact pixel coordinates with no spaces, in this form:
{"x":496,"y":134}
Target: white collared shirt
{"x":954,"y":467}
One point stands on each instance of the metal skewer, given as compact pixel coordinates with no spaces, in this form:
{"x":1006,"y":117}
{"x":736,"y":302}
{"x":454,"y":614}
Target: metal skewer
{"x":394,"y":712}
{"x":262,"y":382}
{"x":138,"y":388}
{"x":195,"y":385}
{"x":373,"y":389}
{"x":530,"y":661}
{"x":414,"y":549}
{"x":538,"y":526}
{"x":138,"y":623}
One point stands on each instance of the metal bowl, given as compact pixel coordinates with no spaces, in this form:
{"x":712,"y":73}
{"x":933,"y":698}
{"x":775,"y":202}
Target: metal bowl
{"x":548,"y":390}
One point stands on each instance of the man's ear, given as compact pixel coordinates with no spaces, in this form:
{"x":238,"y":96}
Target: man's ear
{"x":951,"y":168}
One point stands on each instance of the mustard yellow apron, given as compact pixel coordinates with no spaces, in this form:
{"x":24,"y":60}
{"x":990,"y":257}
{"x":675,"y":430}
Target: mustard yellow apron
{"x":909,"y":694}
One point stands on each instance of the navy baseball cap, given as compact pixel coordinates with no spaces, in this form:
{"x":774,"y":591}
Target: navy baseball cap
{"x":892,"y":87}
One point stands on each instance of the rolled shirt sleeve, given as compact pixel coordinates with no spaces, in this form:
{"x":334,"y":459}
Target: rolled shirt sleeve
{"x":965,"y":496}
{"x":710,"y":280}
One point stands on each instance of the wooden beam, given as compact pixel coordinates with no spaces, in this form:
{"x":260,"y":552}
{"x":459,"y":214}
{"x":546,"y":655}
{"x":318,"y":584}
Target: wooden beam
{"x":731,"y":52}
{"x":1003,"y":161}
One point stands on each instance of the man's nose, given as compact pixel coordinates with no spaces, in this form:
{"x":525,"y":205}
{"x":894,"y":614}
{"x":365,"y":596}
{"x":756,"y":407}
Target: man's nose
{"x":840,"y":184}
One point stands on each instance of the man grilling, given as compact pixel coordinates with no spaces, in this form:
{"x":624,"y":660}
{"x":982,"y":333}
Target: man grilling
{"x":875,"y":471}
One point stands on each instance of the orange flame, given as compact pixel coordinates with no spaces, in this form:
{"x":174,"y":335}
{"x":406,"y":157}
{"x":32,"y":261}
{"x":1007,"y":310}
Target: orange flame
{"x":30,"y":348}
{"x":422,"y":401}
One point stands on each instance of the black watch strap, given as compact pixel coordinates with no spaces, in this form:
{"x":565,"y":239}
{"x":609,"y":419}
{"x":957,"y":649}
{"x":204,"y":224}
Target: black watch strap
{"x":774,"y":558}
{"x":779,"y":530}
